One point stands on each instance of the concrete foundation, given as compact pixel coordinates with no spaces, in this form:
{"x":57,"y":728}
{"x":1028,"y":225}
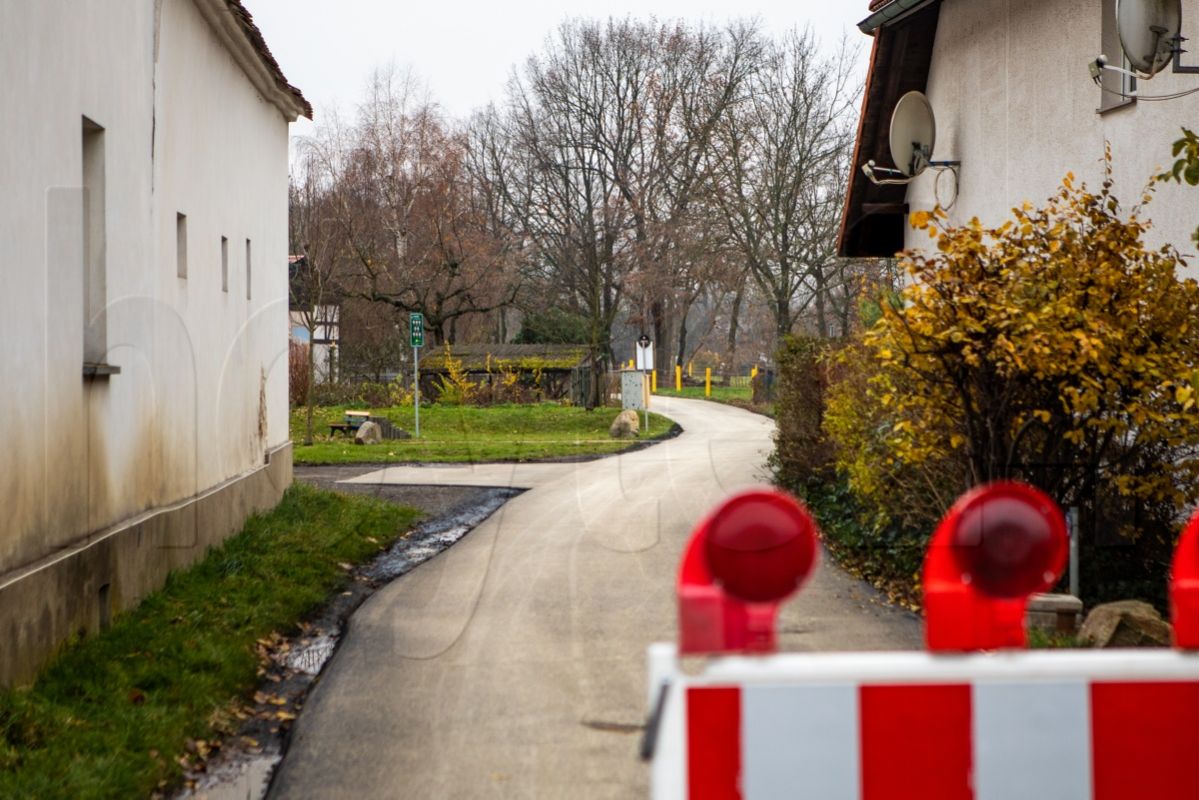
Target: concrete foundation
{"x":80,"y":588}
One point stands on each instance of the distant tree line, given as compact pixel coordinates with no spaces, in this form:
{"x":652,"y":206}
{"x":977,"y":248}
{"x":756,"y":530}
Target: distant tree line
{"x":677,"y":179}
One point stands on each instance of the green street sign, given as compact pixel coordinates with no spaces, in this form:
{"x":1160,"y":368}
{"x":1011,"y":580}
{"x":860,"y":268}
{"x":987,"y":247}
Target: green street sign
{"x":416,"y":328}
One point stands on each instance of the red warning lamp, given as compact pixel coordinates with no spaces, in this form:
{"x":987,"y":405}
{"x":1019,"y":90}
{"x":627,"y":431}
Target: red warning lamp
{"x":753,"y":552}
{"x":999,"y":544}
{"x":1184,"y":587}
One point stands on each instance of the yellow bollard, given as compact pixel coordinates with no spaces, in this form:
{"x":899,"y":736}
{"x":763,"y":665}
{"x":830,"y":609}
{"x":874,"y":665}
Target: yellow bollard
{"x":678,"y":378}
{"x":707,"y":382}
{"x":653,"y":382}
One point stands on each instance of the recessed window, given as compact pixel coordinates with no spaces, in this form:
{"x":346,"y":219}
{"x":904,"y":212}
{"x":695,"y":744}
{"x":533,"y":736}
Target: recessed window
{"x":224,"y":264}
{"x":1116,"y":86}
{"x":95,"y":245}
{"x":249,"y":270}
{"x":181,"y":245}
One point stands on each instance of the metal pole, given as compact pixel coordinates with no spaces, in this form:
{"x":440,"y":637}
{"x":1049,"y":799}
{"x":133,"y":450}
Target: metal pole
{"x":416,"y":386}
{"x":645,"y":397}
{"x":1072,"y":529}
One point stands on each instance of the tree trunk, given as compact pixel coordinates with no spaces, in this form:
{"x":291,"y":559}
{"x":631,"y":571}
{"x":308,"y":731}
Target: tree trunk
{"x":821,"y":313}
{"x":661,"y":334}
{"x":735,"y":321}
{"x":681,"y":359}
{"x":595,"y":394}
{"x":310,"y":399}
{"x":782,"y":317}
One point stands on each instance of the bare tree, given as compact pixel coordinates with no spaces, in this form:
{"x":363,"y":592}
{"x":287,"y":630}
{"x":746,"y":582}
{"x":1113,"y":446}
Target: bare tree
{"x":779,"y":165}
{"x":599,"y":160}
{"x":314,"y":274}
{"x":417,"y":235}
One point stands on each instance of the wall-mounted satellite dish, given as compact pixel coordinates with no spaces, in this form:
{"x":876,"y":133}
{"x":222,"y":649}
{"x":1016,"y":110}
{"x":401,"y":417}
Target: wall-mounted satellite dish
{"x":913,"y":133}
{"x":1149,"y":31}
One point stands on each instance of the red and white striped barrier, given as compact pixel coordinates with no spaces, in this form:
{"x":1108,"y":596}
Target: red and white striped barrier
{"x":900,"y":726}
{"x":955,"y":723}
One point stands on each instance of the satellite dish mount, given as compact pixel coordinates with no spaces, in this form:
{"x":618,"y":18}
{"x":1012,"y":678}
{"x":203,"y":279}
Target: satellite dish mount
{"x":1151,"y":37}
{"x":912,"y":139}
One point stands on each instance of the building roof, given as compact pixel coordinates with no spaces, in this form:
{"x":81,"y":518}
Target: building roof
{"x":235,"y":27}
{"x":873,"y":222}
{"x":259,"y":43}
{"x":497,"y":357}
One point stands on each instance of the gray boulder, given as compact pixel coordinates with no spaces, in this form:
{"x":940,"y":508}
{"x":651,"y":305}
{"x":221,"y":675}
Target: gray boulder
{"x":368,"y":433}
{"x":626,"y":425}
{"x":1128,"y":623}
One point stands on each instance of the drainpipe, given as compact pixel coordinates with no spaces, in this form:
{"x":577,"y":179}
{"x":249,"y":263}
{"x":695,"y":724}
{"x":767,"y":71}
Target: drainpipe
{"x":889,"y":13}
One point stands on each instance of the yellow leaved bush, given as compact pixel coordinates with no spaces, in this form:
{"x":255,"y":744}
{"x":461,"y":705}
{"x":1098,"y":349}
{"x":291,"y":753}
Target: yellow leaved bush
{"x":1057,"y":348}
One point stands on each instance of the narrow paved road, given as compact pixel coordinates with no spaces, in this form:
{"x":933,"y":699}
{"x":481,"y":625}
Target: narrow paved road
{"x":513,"y":665}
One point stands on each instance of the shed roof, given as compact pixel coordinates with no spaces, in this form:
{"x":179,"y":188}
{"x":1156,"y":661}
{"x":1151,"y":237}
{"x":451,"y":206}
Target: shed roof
{"x":478,"y":357}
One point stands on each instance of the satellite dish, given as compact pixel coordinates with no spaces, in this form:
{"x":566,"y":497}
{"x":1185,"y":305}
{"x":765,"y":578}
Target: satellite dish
{"x":913,"y":133}
{"x":1148,"y":32}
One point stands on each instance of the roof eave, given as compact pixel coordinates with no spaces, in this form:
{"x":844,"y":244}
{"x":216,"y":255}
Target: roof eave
{"x":891,"y":12}
{"x":236,"y":30}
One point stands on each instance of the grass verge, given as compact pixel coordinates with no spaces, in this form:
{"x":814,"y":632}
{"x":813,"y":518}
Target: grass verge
{"x":1049,"y":640}
{"x":112,"y":714}
{"x":472,"y":434}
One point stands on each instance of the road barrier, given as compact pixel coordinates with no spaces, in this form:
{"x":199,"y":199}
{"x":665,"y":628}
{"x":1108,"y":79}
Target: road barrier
{"x":976,"y":716}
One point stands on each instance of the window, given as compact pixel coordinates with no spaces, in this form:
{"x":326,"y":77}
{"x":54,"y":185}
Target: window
{"x":224,"y":264}
{"x":95,"y":285}
{"x":181,"y":245}
{"x":1116,"y":86}
{"x":249,"y":270}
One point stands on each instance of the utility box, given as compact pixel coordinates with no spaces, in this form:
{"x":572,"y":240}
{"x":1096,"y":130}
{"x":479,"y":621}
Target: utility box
{"x":634,"y":390}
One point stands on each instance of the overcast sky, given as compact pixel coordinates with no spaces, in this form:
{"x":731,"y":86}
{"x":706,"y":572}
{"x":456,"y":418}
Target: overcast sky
{"x":466,"y":49}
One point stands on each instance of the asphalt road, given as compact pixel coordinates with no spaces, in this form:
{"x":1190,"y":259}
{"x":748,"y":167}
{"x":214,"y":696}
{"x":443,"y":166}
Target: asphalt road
{"x":513,"y":664}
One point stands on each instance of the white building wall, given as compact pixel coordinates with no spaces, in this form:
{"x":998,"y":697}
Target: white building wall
{"x":68,"y":467}
{"x":201,"y":397}
{"x":1015,"y":103}
{"x":221,"y":159}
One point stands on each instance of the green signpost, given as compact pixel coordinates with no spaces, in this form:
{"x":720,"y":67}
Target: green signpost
{"x":416,"y":334}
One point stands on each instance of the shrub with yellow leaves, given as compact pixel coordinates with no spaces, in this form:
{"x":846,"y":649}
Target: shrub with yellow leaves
{"x":1056,"y":348}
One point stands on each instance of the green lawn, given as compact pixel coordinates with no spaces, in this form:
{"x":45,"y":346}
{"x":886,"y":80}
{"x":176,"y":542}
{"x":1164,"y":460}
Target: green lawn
{"x":471,"y":434}
{"x":112,"y":714}
{"x":721,"y":394}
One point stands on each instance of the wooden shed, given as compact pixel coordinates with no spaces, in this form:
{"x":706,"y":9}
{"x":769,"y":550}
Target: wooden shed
{"x":542,"y":371}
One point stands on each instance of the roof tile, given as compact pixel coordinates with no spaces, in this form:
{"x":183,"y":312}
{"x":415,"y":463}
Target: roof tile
{"x":255,"y":36}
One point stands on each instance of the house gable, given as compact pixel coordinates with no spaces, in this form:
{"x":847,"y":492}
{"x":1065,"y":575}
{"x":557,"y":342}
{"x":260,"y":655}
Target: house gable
{"x":873,"y":221}
{"x":236,"y":30}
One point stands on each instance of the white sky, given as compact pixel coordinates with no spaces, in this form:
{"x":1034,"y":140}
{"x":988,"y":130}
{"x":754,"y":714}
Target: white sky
{"x":465,"y":50}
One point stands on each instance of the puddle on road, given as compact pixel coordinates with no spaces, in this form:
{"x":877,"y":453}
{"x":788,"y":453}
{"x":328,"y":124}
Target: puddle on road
{"x":243,"y":779}
{"x":436,"y":535}
{"x":239,"y":774}
{"x":309,"y":656}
